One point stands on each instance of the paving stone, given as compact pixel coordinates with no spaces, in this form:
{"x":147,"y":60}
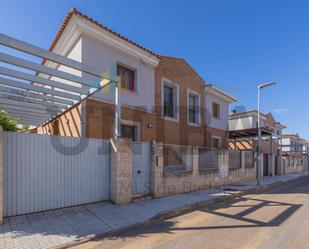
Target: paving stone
{"x":58,"y":227}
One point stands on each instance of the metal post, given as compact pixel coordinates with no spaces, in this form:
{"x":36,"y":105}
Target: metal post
{"x":271,"y":155}
{"x":259,"y":142}
{"x":259,"y":130}
{"x":280,"y":156}
{"x":117,"y":133}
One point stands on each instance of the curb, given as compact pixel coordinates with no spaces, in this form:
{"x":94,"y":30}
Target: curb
{"x":183,"y":210}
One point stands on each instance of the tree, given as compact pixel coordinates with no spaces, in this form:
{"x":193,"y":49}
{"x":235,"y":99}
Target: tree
{"x":8,"y":123}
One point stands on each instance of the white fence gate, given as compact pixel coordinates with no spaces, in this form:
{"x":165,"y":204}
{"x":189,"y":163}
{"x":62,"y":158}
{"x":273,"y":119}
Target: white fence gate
{"x":46,"y":172}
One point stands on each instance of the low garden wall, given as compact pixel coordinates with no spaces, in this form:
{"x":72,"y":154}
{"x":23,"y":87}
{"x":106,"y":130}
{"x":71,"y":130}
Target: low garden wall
{"x":180,"y":169}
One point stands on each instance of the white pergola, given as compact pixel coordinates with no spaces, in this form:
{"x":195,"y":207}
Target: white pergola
{"x":38,"y":97}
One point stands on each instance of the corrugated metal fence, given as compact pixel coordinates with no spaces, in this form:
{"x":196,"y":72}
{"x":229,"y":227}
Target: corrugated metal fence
{"x":46,"y":172}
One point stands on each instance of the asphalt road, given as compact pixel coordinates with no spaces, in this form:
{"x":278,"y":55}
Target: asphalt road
{"x":276,"y":219}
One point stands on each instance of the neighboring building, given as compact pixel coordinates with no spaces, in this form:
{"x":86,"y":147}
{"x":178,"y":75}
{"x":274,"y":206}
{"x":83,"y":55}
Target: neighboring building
{"x":294,"y":152}
{"x":162,"y":98}
{"x":217,"y":116}
{"x":243,"y":127}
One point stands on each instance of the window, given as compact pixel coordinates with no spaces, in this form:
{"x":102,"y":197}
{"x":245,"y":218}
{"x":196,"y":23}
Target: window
{"x":128,"y":132}
{"x":215,"y":110}
{"x":168,"y":101}
{"x":192,"y":109}
{"x":216,"y":142}
{"x":127,"y":78}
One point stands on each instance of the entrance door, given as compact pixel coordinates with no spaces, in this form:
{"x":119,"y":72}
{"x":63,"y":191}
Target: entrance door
{"x":265,"y":164}
{"x":141,"y":168}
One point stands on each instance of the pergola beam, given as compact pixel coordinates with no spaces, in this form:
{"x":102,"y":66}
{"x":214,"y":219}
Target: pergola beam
{"x":37,"y":51}
{"x":39,"y":89}
{"x":34,"y":95}
{"x":14,"y":112}
{"x":20,"y":107}
{"x":29,"y":100}
{"x":37,"y":119}
{"x":43,"y":96}
{"x":36,"y":79}
{"x":30,"y":105}
{"x":27,"y":115}
{"x":30,"y":122}
{"x":46,"y":70}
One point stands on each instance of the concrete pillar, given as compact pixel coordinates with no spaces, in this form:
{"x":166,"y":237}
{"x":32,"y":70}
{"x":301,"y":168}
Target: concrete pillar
{"x":1,"y":176}
{"x":195,"y":160}
{"x":242,"y":161}
{"x":223,"y":163}
{"x":157,"y":186}
{"x":186,"y":156}
{"x":121,"y":171}
{"x":262,"y":165}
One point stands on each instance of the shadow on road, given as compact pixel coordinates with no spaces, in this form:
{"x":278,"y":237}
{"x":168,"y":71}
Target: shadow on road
{"x":249,"y":210}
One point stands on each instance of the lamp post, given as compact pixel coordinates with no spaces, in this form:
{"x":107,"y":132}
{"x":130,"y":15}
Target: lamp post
{"x":258,"y":170}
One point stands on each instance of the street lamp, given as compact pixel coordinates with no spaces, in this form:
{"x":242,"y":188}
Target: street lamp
{"x":258,"y":170}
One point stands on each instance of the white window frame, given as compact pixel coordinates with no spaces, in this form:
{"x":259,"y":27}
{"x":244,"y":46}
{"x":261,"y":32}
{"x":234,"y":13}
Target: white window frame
{"x":135,"y":77}
{"x":137,"y":125}
{"x":212,"y":110}
{"x":175,"y":86}
{"x":198,"y":106}
{"x":216,"y":137}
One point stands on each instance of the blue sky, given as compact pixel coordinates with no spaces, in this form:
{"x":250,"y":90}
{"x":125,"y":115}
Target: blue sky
{"x":233,"y":44}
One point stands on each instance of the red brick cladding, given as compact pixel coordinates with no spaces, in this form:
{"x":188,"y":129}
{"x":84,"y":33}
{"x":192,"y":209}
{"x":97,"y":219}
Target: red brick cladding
{"x":173,"y":132}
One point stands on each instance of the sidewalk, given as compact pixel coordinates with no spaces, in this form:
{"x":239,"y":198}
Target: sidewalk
{"x":60,"y":227}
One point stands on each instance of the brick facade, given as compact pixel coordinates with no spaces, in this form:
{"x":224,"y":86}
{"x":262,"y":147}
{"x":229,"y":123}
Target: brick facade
{"x":98,"y":117}
{"x":179,"y":132}
{"x":224,"y":135}
{"x":100,"y":120}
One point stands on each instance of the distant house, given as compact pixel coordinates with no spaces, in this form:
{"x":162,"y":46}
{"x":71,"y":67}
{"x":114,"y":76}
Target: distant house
{"x":217,"y":115}
{"x":243,"y":128}
{"x":295,"y":152}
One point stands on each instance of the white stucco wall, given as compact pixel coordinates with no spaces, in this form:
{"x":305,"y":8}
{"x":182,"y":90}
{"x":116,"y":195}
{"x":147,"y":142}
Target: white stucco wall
{"x":222,"y":123}
{"x":286,"y":141}
{"x":240,"y":123}
{"x":76,"y":54}
{"x":101,"y":56}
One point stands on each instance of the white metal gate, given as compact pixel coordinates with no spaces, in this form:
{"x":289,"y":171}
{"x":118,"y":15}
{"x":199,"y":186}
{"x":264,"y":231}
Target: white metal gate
{"x":141,"y":168}
{"x":46,"y":172}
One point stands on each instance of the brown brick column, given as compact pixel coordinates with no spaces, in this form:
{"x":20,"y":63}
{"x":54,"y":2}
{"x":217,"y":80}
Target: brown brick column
{"x":157,"y":183}
{"x":121,"y":171}
{"x":223,"y":163}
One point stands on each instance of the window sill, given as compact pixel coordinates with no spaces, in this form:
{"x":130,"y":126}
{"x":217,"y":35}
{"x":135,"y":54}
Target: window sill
{"x":124,"y":90}
{"x":170,"y":119}
{"x":194,"y":124}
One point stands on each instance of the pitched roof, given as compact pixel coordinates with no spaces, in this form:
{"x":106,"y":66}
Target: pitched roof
{"x":73,"y":12}
{"x":212,"y":88}
{"x":183,"y":60}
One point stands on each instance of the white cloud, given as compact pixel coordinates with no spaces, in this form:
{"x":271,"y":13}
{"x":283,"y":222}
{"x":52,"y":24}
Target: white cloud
{"x":280,"y":110}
